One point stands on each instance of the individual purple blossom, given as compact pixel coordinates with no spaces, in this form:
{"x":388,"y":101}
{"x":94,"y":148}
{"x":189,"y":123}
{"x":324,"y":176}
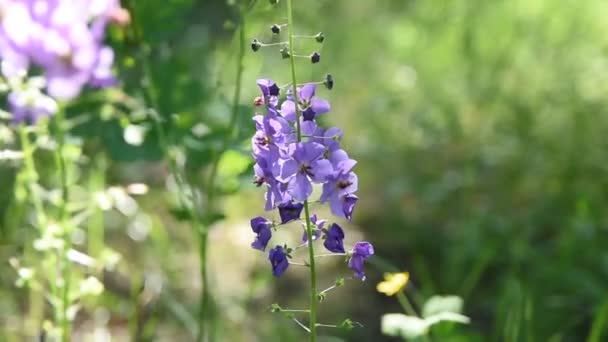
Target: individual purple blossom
{"x":290,"y":211}
{"x":317,"y":229}
{"x":29,"y":105}
{"x":361,"y":251}
{"x":261,"y":227}
{"x":276,"y":192}
{"x":334,"y":239}
{"x":348,"y":205}
{"x":341,"y":185}
{"x":270,"y":92}
{"x":309,"y":105}
{"x":271,"y":136}
{"x":278,"y":260}
{"x":306,"y":166}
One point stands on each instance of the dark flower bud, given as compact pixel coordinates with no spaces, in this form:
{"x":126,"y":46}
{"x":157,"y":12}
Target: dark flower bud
{"x":285,"y":52}
{"x":255,"y":45}
{"x":315,"y":57}
{"x":320,"y":37}
{"x":276,"y":29}
{"x":329,"y":81}
{"x":273,"y":2}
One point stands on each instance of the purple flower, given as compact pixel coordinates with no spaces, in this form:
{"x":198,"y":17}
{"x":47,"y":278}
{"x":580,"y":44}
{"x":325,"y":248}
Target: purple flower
{"x":334,"y":239}
{"x":317,"y":230}
{"x":30,"y":105}
{"x":306,"y":165}
{"x":278,"y":260}
{"x":310,"y":106}
{"x":276,"y":192}
{"x":361,"y":251}
{"x":341,"y":185}
{"x":261,"y":227}
{"x":290,"y":211}
{"x":348,"y":205}
{"x":271,"y":137}
{"x":270,"y":92}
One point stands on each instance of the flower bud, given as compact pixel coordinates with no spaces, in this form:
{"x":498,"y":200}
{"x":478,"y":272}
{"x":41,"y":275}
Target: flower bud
{"x":273,"y":2}
{"x":255,"y":45}
{"x":320,"y":37}
{"x":276,"y":29}
{"x":258,"y":101}
{"x":285,"y":52}
{"x":329,"y":81}
{"x":315,"y":58}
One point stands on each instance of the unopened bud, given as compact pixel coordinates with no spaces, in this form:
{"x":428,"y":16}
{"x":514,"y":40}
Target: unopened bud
{"x":320,"y":37}
{"x":315,"y":58}
{"x":329,"y":81}
{"x":273,"y":2}
{"x":255,"y":45}
{"x":285,"y":52}
{"x":276,"y":29}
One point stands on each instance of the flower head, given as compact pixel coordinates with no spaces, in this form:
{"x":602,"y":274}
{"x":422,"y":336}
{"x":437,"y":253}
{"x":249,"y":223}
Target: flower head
{"x":361,"y":251}
{"x":310,"y":106}
{"x":334,"y":239}
{"x":305,"y":166}
{"x":270,"y":91}
{"x":278,"y":261}
{"x":393,"y":283}
{"x":261,"y":227}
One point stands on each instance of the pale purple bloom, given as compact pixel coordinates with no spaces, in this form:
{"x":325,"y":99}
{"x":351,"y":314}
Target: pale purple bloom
{"x":271,"y":137}
{"x":276,"y":192}
{"x":307,"y":165}
{"x":309,"y":105}
{"x":29,"y":105}
{"x":270,"y":92}
{"x":317,"y":229}
{"x":361,"y":251}
{"x":340,"y":184}
{"x":261,"y":227}
{"x":278,"y":261}
{"x":334,"y":239}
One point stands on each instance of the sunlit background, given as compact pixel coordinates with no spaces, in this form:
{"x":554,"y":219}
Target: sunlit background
{"x":480,"y":133}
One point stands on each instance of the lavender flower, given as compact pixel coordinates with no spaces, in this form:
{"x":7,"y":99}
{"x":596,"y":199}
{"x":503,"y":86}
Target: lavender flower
{"x":261,"y":227}
{"x":361,"y":251}
{"x":317,"y":229}
{"x":310,"y":106}
{"x":270,"y":92}
{"x":290,"y":211}
{"x":305,"y":166}
{"x":278,"y":261}
{"x":334,"y":239}
{"x":341,"y":185}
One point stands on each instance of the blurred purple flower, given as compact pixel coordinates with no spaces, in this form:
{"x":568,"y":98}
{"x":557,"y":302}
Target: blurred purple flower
{"x":309,"y":105}
{"x":278,"y":260}
{"x":361,"y":251}
{"x":334,"y":239}
{"x":317,"y":230}
{"x":261,"y":227}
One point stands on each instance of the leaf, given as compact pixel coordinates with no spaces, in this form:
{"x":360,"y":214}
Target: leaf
{"x":440,"y":304}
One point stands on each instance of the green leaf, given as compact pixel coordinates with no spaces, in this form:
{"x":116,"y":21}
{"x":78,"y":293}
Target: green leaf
{"x":439,"y":304}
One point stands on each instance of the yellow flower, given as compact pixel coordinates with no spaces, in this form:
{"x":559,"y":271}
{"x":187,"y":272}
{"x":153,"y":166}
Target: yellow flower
{"x":393,"y":283}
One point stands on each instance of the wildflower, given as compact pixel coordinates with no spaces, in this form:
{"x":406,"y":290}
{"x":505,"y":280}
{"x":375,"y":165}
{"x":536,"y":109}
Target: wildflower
{"x":341,"y":185}
{"x":270,"y":91}
{"x":290,"y":211}
{"x":278,"y":260}
{"x":348,"y":205}
{"x":310,"y":106}
{"x":261,"y":227}
{"x":361,"y":251}
{"x":317,"y":229}
{"x":30,"y":104}
{"x":393,"y":283}
{"x":305,"y":166}
{"x":334,"y":239}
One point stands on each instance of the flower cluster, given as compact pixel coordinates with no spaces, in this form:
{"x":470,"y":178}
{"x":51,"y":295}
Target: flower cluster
{"x":61,"y":38}
{"x":292,"y":153}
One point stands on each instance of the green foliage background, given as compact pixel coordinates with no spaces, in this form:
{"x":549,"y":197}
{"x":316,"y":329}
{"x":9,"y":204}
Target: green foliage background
{"x":480,"y":131}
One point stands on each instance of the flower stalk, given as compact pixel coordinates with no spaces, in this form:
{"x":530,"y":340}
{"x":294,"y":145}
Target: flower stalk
{"x":312,"y":323}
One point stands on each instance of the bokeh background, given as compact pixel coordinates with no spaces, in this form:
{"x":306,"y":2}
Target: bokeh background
{"x":480,"y":131}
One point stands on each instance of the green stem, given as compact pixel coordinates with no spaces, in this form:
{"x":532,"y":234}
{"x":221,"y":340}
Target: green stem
{"x":312,"y":324}
{"x":205,"y":308}
{"x":64,"y":222}
{"x":405,"y":303}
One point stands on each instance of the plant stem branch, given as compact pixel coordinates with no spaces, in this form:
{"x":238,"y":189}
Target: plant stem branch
{"x":311,"y":251}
